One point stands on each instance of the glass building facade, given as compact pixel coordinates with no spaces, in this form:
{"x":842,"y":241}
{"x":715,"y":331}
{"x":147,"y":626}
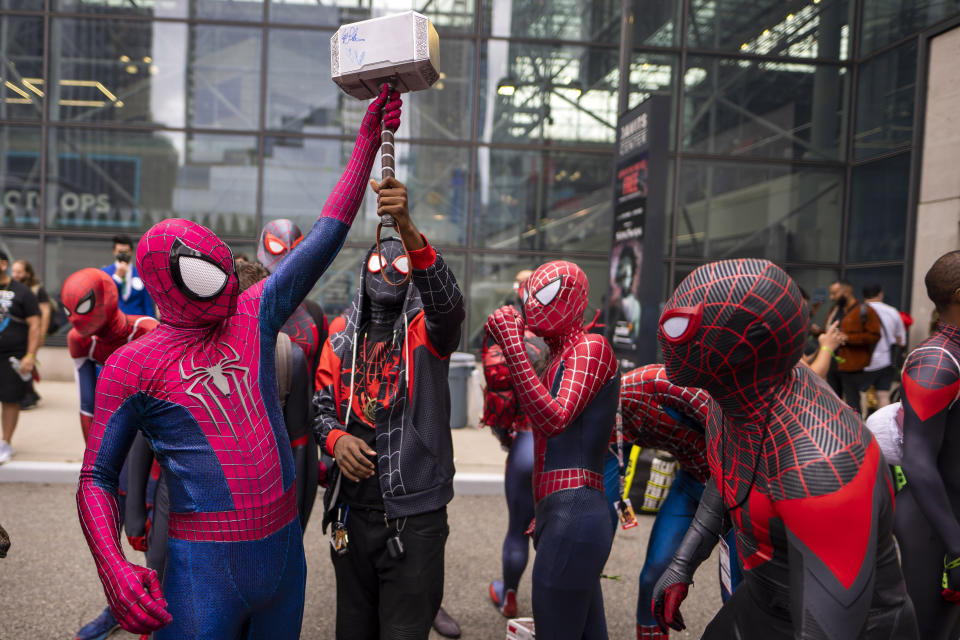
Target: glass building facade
{"x":792,"y":130}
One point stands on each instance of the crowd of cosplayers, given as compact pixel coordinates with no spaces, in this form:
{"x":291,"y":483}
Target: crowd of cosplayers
{"x":210,"y":425}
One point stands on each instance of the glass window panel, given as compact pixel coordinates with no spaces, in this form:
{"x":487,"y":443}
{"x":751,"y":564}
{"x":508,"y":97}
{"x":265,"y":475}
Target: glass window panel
{"x":174,"y":75}
{"x":878,"y":210}
{"x":491,"y":285}
{"x":20,"y":176}
{"x":448,"y":16}
{"x":816,"y":282}
{"x":772,"y":27}
{"x":301,"y":96}
{"x":131,"y":180}
{"x":885,"y":97}
{"x":67,"y":255}
{"x":654,"y":73}
{"x":534,"y":92}
{"x":542,"y":200}
{"x":24,"y":248}
{"x":242,"y":10}
{"x":886,"y":21}
{"x":764,"y":109}
{"x":890,"y":278}
{"x":300,"y":174}
{"x":21,"y":67}
{"x":737,"y":210}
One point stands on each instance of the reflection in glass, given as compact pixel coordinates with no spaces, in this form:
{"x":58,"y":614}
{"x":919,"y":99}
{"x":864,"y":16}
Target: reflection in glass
{"x":491,"y":286}
{"x":736,"y":210}
{"x":300,"y":174}
{"x":878,"y":210}
{"x":21,"y":67}
{"x":764,"y":109}
{"x":446,"y":15}
{"x":597,"y":21}
{"x":649,"y":73}
{"x":301,"y":97}
{"x":890,"y":278}
{"x":131,"y":180}
{"x":174,"y":75}
{"x":885,"y":97}
{"x":542,"y":200}
{"x":20,"y":176}
{"x":816,"y":282}
{"x":817,"y":29}
{"x":23,"y":248}
{"x":532,"y":92}
{"x":886,"y":21}
{"x":247,"y":11}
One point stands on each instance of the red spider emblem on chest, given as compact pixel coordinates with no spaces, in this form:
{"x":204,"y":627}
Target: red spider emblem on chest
{"x":225,"y":376}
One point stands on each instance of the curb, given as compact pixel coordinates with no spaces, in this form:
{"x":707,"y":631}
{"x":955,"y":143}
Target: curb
{"x":476,"y":484}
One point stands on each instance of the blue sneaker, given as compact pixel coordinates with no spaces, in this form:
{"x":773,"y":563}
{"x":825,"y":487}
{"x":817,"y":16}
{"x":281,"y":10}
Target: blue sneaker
{"x":100,"y":628}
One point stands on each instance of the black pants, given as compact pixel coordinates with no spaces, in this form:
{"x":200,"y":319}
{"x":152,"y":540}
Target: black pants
{"x":850,"y":386}
{"x":380,"y":598}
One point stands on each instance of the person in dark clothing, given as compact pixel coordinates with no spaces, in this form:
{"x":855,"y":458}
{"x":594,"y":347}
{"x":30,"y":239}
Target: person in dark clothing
{"x":383,"y":413}
{"x":927,"y":519}
{"x":134,"y":299}
{"x":860,"y":331}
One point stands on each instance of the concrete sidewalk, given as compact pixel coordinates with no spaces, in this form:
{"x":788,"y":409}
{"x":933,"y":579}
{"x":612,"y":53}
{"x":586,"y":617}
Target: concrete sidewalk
{"x":48,"y":446}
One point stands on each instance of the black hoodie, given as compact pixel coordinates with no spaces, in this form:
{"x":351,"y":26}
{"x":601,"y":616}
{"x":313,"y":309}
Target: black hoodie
{"x":413,"y":442}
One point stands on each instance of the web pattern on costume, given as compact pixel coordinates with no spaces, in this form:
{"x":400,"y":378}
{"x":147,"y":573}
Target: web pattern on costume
{"x":645,"y":394}
{"x":931,"y":379}
{"x":788,"y":455}
{"x":277,"y":239}
{"x":230,"y":475}
{"x":586,"y":362}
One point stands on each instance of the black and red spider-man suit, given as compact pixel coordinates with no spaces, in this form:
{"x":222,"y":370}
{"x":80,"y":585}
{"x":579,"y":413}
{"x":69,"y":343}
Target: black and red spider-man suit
{"x":572,"y":411}
{"x":927,"y":523}
{"x":802,"y":478}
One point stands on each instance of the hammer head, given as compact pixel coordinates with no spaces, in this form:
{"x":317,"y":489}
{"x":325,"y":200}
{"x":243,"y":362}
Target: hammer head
{"x":402,"y":48}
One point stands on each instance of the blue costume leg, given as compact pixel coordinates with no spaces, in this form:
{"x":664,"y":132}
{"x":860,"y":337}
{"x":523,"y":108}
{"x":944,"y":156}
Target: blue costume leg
{"x":519,"y":489}
{"x":673,"y":519}
{"x":611,"y":485}
{"x":283,"y":616}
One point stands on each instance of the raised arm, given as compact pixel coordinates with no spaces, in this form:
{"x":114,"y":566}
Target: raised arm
{"x":286,"y":288}
{"x":132,"y":591}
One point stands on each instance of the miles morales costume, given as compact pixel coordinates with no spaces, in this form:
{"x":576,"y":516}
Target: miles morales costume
{"x":928,"y":507}
{"x":658,"y":414}
{"x":802,"y":478}
{"x":203,"y":390}
{"x":90,"y":301}
{"x":572,"y":411}
{"x":383,"y":379}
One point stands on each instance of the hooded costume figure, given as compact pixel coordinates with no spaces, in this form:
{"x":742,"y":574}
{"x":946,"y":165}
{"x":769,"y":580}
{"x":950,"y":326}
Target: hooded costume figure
{"x":202,"y":388}
{"x":383,"y":379}
{"x":572,"y":412}
{"x":800,"y":476}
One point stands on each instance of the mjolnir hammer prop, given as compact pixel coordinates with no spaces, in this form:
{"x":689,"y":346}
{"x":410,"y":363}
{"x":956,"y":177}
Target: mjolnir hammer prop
{"x":401,"y":50}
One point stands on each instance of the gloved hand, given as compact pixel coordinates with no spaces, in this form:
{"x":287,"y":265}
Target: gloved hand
{"x":135,"y":598}
{"x":668,"y":594}
{"x":140,"y":542}
{"x":383,"y":112}
{"x":951,"y":579}
{"x":505,"y":326}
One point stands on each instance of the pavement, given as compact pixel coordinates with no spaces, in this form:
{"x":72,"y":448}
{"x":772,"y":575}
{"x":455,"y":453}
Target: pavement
{"x":49,"y":586}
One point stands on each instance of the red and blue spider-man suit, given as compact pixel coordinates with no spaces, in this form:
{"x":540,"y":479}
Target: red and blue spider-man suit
{"x":307,"y":325}
{"x":802,"y":478}
{"x":99,"y":328}
{"x":658,"y":414}
{"x":572,"y":412}
{"x":203,"y":390}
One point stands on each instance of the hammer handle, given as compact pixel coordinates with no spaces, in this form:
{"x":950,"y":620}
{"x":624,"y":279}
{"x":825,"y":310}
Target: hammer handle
{"x":387,"y":166}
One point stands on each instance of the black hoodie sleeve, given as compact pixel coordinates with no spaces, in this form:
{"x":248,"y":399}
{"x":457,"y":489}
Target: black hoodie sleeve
{"x":442,"y":300}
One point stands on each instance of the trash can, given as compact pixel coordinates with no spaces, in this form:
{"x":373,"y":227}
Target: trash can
{"x":461,"y":367}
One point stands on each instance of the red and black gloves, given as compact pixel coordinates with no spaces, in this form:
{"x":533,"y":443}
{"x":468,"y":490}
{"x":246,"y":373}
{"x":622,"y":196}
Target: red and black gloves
{"x":669,"y":592}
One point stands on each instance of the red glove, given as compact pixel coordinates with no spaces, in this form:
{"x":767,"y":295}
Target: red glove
{"x":321,"y":473}
{"x":951,"y":580}
{"x":668,"y":594}
{"x":384,"y":110}
{"x":505,"y":326}
{"x":140,"y":542}
{"x":136,"y":600}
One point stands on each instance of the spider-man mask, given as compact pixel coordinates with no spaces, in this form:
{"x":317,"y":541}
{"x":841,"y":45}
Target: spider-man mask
{"x":386,"y":300}
{"x":89,"y":299}
{"x":189,"y":272}
{"x":554,"y":299}
{"x":734,"y":326}
{"x":277,"y":239}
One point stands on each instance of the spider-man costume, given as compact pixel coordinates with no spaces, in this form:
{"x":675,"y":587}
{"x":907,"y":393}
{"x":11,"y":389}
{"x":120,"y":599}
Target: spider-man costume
{"x":926,"y":521}
{"x":658,"y":414}
{"x":90,"y":301}
{"x":202,"y":388}
{"x":572,"y":412}
{"x":307,"y":325}
{"x":802,"y":478}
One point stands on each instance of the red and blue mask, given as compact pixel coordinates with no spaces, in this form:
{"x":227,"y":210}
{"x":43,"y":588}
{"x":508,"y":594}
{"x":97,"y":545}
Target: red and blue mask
{"x":554,"y":299}
{"x":277,"y":239}
{"x":189,"y":272}
{"x":90,"y":300}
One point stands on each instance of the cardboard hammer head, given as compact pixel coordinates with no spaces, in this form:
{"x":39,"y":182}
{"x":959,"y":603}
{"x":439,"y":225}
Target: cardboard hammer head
{"x":403,"y":48}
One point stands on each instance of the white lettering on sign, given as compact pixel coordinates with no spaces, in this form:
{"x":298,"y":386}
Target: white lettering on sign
{"x":633,"y":134}
{"x":69,"y":201}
